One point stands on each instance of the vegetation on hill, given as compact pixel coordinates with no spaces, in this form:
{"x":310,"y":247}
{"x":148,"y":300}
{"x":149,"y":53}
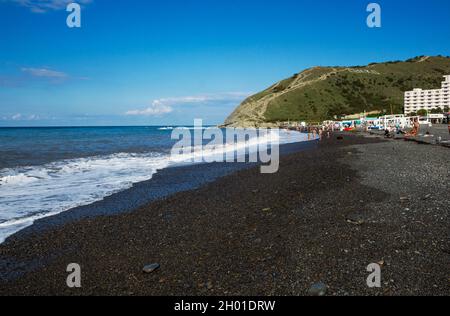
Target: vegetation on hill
{"x":323,"y":93}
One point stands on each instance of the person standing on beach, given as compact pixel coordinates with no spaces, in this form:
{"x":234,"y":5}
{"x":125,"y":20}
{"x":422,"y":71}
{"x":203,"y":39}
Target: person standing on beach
{"x":415,"y":130}
{"x":329,"y":131}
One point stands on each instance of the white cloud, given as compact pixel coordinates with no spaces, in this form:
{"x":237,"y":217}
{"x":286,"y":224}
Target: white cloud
{"x":165,"y":105}
{"x":42,"y":6}
{"x":154,"y":110}
{"x":44,"y":73}
{"x":204,"y":99}
{"x":21,"y":117}
{"x":29,"y":75}
{"x":33,"y":117}
{"x":16,"y":117}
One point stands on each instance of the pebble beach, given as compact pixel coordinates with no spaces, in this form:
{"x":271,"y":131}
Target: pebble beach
{"x":328,"y":213}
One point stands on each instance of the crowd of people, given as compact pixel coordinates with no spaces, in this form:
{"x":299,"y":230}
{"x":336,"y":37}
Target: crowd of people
{"x":320,"y":132}
{"x":391,"y":130}
{"x":316,"y":132}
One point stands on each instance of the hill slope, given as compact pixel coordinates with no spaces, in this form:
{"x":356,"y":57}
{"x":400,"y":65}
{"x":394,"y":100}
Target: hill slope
{"x":322,"y":93}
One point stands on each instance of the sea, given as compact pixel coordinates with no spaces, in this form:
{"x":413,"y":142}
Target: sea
{"x":46,"y":171}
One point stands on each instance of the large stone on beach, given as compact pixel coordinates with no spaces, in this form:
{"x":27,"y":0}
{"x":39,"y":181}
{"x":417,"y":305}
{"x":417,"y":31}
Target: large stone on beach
{"x":151,"y":268}
{"x":318,"y":289}
{"x":355,"y":219}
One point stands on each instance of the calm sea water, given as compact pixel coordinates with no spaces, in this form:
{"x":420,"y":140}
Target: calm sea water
{"x":45,"y":171}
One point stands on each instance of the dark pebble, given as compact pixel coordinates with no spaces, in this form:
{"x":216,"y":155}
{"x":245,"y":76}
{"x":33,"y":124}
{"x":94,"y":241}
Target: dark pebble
{"x":151,"y":268}
{"x":318,"y":289}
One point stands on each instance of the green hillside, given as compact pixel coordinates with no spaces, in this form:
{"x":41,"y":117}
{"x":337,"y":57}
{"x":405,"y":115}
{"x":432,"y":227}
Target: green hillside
{"x":323,"y":93}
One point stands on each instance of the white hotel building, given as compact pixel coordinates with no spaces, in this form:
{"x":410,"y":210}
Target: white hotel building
{"x":419,"y":99}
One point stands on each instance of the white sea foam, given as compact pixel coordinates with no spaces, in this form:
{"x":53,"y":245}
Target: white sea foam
{"x":28,"y":194}
{"x":209,"y":153}
{"x":16,"y":179}
{"x":31,"y":193}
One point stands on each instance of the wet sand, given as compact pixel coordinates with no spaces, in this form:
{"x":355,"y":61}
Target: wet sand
{"x":324,"y":217}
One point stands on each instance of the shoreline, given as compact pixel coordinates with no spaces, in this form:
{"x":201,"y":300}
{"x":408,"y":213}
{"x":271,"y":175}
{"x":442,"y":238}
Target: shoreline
{"x":253,"y":234}
{"x":164,"y":183}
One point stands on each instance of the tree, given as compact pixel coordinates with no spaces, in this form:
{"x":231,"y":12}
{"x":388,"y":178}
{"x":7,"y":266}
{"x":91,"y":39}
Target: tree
{"x":436,"y":111}
{"x":446,"y":109}
{"x":422,"y":113}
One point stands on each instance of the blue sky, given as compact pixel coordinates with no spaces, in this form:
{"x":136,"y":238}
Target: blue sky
{"x":137,"y":62}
